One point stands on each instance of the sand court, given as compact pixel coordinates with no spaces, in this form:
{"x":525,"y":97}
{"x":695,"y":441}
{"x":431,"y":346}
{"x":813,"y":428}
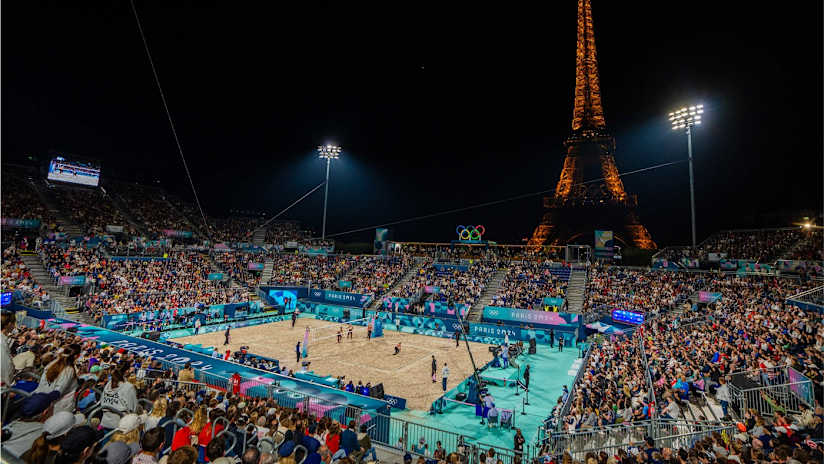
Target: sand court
{"x":407,"y":375}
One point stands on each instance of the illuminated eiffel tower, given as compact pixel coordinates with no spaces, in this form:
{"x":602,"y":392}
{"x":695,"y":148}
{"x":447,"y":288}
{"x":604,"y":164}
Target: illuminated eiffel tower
{"x":577,"y":210}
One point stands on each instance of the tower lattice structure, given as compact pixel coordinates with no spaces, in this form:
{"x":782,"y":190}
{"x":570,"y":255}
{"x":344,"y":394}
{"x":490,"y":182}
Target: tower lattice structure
{"x":590,"y":194}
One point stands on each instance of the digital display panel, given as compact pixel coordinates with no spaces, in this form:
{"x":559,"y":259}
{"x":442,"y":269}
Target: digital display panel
{"x":5,"y":299}
{"x":628,"y":317}
{"x":74,"y":171}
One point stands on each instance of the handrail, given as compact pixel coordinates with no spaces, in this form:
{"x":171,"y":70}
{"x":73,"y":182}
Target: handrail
{"x":226,"y":449}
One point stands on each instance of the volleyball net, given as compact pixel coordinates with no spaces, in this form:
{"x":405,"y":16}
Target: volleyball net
{"x":326,"y":332}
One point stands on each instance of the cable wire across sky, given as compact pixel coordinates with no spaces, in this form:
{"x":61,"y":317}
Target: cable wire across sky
{"x":497,"y":202}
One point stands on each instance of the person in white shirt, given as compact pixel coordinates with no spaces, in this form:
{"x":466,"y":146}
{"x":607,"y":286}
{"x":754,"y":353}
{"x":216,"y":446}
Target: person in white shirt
{"x":722,"y":394}
{"x":118,"y":395}
{"x":7,"y":369}
{"x":60,"y":376}
{"x":444,"y":375}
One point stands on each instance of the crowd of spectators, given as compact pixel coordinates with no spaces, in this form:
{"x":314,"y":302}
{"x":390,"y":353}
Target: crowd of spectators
{"x":377,"y":274}
{"x":69,"y":376}
{"x":638,"y":289}
{"x":301,"y":269}
{"x":811,"y":249}
{"x":488,"y":252}
{"x":15,"y":276}
{"x":527,"y":283}
{"x":92,"y":209}
{"x":454,"y":285}
{"x":233,"y":229}
{"x":150,"y":208}
{"x":749,"y":332}
{"x":236,"y":264}
{"x":280,"y":232}
{"x":19,"y":201}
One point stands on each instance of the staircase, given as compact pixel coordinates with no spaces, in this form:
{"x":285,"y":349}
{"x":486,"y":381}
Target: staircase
{"x":410,"y":274}
{"x":124,"y":209}
{"x":576,"y":290}
{"x":268,"y":271}
{"x":259,"y":237}
{"x":196,"y":229}
{"x":477,"y":310}
{"x":56,"y":293}
{"x":48,"y":198}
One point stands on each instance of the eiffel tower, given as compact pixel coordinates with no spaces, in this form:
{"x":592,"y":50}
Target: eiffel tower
{"x":577,"y":210}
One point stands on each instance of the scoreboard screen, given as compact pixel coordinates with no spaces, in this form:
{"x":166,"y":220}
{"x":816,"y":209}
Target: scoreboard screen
{"x":628,"y":317}
{"x":74,"y":171}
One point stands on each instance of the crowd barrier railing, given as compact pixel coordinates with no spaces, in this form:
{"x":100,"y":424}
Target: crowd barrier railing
{"x":768,"y":399}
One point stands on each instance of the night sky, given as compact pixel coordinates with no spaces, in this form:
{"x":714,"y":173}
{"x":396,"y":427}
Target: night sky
{"x":436,"y":105}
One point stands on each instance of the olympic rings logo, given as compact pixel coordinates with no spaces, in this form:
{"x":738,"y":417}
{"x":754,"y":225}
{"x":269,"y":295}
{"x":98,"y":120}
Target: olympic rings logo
{"x":470,"y":232}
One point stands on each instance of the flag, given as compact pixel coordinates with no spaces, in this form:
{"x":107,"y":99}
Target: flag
{"x":305,"y":343}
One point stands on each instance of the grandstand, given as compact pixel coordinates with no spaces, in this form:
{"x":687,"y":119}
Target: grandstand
{"x":718,"y":346}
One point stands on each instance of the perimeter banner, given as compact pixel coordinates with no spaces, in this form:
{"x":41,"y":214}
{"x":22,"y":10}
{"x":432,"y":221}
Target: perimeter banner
{"x":341,"y":298}
{"x":546,"y":319}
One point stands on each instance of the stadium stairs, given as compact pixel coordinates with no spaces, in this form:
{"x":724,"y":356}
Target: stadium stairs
{"x":268,"y":270}
{"x":787,"y":254}
{"x":412,"y":272}
{"x":477,"y":310}
{"x":47,"y":197}
{"x":124,"y":210}
{"x":576,"y":290}
{"x":196,"y":229}
{"x":259,"y":237}
{"x":57,"y":293}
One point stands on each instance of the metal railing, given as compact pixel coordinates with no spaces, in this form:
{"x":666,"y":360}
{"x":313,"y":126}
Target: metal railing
{"x":766,"y":400}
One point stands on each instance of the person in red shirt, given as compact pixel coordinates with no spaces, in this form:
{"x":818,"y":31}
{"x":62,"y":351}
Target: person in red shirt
{"x":205,"y":435}
{"x":235,"y":383}
{"x":333,"y":439}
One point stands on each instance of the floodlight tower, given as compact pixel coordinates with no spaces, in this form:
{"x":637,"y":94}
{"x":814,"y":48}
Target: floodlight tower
{"x":686,"y":118}
{"x":327,"y":152}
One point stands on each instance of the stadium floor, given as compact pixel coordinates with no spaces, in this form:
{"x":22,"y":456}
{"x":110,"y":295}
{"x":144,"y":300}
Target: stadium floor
{"x":407,"y":375}
{"x":550,"y":370}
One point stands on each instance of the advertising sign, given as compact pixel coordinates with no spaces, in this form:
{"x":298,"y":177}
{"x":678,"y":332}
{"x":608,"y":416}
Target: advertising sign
{"x":24,"y":223}
{"x":548,"y":319}
{"x":177,"y":233}
{"x":215,"y":276}
{"x":72,"y":280}
{"x":708,"y":297}
{"x":341,"y":298}
{"x":255,"y":266}
{"x":5,"y":298}
{"x":114,"y":229}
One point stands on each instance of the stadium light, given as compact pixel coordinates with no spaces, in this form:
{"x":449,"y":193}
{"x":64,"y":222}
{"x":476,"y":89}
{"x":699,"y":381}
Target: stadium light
{"x":327,"y":152}
{"x":687,"y":118}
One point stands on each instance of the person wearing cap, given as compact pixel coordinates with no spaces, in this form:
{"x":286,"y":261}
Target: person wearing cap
{"x":20,"y":435}
{"x":116,"y":453}
{"x":47,"y":446}
{"x":128,"y":432}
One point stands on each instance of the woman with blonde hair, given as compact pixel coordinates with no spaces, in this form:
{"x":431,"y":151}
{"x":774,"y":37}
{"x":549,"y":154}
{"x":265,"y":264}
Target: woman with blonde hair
{"x":158,"y":413}
{"x":187,"y":436}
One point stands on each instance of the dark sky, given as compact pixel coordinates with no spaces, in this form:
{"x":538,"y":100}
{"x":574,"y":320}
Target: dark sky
{"x":437,"y":105}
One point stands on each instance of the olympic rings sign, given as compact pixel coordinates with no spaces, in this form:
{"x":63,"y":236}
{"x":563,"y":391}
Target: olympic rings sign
{"x":470,"y":232}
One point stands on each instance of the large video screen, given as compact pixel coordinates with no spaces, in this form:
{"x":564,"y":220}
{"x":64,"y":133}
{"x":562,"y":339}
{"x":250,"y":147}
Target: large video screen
{"x":74,"y":171}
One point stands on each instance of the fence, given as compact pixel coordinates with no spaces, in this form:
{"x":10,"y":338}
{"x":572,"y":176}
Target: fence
{"x":786,"y":398}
